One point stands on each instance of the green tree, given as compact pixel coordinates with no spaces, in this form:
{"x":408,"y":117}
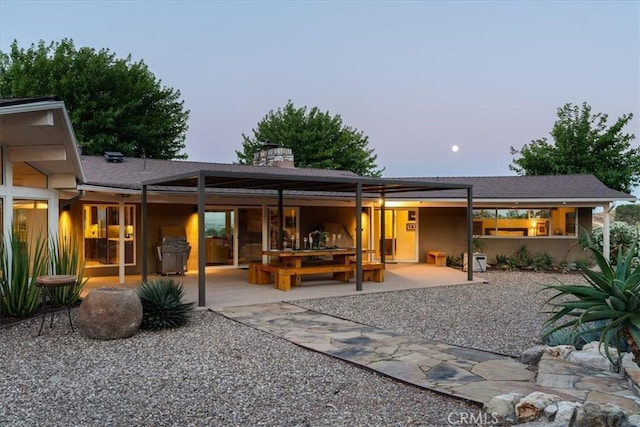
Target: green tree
{"x":628,"y":213}
{"x":114,"y":104}
{"x":584,"y":144}
{"x":316,"y":139}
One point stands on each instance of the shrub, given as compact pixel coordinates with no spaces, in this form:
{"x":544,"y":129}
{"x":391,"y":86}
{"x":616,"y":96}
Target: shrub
{"x":612,"y":296}
{"x":522,"y":257}
{"x":542,"y":261}
{"x":454,"y":261}
{"x":621,"y":236}
{"x":579,"y":336}
{"x":162,"y":305}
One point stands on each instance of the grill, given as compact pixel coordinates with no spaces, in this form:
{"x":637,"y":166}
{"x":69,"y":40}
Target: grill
{"x":172,"y":251}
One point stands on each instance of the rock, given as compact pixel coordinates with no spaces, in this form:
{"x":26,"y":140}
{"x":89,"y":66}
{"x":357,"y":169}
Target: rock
{"x":633,"y":421}
{"x":504,"y":406}
{"x":530,"y":407}
{"x":560,"y":351}
{"x":550,"y":411}
{"x":566,"y":411}
{"x":110,"y":313}
{"x":590,"y":357}
{"x":531,"y":356}
{"x":594,"y":414}
{"x":631,"y":372}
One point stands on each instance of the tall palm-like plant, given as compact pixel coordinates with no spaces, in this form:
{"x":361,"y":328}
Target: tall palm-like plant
{"x":612,"y":295}
{"x":21,"y":264}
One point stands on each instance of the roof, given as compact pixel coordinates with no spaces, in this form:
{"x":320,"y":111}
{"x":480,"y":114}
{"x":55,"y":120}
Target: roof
{"x":38,"y":132}
{"x":132,"y":172}
{"x":583,"y":187}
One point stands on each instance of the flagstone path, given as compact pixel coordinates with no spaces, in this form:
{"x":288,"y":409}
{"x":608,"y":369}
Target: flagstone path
{"x":461,"y":372}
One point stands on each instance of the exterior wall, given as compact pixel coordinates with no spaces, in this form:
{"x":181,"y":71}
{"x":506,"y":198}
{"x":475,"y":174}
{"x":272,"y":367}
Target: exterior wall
{"x":444,"y":229}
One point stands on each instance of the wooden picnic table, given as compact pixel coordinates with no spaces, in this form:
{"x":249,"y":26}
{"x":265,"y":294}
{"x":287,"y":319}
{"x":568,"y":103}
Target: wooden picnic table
{"x":288,"y":267}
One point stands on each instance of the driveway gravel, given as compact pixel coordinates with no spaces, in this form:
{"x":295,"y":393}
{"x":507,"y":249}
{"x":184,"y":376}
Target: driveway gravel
{"x":215,"y":372}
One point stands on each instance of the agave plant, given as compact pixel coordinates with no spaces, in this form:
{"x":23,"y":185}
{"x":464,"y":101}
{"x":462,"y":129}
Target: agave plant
{"x":612,"y":295}
{"x":64,"y":258}
{"x":162,"y":305}
{"x":21,"y":263}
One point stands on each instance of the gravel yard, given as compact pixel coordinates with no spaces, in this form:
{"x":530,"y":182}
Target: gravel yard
{"x":217,"y":372}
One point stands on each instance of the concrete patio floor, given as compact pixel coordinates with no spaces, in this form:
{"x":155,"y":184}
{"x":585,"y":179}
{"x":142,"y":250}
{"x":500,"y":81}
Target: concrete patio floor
{"x":228,"y":287}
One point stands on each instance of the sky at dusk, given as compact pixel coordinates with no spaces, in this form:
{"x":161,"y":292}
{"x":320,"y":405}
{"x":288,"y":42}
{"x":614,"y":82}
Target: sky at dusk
{"x":415,"y":77}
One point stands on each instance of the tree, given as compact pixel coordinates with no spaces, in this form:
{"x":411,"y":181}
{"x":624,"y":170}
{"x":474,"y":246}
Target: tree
{"x":114,"y":104}
{"x":316,"y":139}
{"x":584,"y":144}
{"x":628,"y":213}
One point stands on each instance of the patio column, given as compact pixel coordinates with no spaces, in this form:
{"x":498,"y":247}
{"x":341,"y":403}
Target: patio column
{"x":201,"y":242}
{"x":145,"y":240}
{"x":383,"y":226}
{"x":606,"y":231}
{"x":470,"y":263}
{"x":359,"y":236}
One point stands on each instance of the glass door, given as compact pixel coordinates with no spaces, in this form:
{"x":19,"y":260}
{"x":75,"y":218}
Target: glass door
{"x":249,"y":235}
{"x":399,"y":237}
{"x":219,"y":236}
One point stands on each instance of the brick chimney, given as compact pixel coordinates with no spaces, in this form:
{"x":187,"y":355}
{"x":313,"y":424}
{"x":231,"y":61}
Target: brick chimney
{"x":274,"y":155}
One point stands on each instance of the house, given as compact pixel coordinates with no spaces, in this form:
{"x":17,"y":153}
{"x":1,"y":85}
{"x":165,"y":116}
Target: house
{"x":98,"y":200}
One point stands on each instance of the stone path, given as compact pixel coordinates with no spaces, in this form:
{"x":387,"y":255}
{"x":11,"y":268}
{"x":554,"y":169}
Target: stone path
{"x":461,"y":372}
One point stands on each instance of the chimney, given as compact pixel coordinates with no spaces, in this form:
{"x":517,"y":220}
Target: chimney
{"x":274,"y":155}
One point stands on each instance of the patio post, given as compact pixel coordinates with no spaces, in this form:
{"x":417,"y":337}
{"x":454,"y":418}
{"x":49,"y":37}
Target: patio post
{"x":383,"y":237}
{"x":201,"y":242}
{"x":470,"y":263}
{"x":280,"y":218}
{"x":143,"y":216}
{"x":358,"y":236}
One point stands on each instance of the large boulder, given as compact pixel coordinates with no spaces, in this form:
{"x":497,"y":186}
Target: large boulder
{"x":110,"y":313}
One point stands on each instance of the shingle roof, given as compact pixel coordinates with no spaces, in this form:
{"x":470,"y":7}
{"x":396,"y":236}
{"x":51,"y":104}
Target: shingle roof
{"x":133,"y":171}
{"x":5,"y":102}
{"x":546,"y":187}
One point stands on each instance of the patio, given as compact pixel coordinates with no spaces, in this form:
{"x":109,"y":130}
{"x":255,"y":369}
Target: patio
{"x":228,"y":287}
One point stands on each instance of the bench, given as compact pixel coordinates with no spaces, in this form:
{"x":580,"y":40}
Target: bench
{"x":260,"y":274}
{"x":287,"y":276}
{"x":438,"y":258}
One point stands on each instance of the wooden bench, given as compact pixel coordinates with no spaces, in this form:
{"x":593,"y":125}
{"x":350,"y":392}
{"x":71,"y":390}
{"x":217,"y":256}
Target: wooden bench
{"x":438,"y":258}
{"x":260,"y":274}
{"x":286,"y":276}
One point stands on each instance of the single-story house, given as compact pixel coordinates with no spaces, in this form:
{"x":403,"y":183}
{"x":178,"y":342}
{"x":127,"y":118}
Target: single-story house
{"x":98,"y":200}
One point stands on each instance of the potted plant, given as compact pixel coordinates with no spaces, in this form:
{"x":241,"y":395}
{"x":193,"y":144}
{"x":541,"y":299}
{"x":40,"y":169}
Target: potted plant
{"x":319,"y":239}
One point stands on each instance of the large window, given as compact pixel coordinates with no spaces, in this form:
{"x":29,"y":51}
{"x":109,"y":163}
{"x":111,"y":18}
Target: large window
{"x":102,"y":225}
{"x":26,"y":176}
{"x":522,"y":222}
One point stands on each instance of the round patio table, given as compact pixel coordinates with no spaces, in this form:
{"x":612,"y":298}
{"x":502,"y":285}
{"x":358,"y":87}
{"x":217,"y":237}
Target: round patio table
{"x":47,"y":285}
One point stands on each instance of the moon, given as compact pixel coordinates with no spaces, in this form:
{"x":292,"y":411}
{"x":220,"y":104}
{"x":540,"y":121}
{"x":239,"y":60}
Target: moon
{"x":455,"y":148}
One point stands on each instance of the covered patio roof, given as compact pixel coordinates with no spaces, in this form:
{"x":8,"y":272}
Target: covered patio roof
{"x":280,"y":180}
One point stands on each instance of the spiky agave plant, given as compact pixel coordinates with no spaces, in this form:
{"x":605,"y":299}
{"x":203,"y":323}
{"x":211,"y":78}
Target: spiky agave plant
{"x":21,"y":262}
{"x":162,"y":305}
{"x":612,"y":295}
{"x":64,"y":258}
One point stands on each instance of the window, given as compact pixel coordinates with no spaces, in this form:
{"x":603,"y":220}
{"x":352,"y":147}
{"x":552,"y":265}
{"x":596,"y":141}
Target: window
{"x":102,"y":241}
{"x":523,"y":222}
{"x":26,"y":176}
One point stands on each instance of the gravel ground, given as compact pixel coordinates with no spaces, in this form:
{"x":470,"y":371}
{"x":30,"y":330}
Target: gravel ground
{"x":502,"y":316}
{"x":215,"y":372}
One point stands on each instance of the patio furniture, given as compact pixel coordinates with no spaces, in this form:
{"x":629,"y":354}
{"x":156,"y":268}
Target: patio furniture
{"x":47,"y":286}
{"x":288,"y":267}
{"x":437,"y":257}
